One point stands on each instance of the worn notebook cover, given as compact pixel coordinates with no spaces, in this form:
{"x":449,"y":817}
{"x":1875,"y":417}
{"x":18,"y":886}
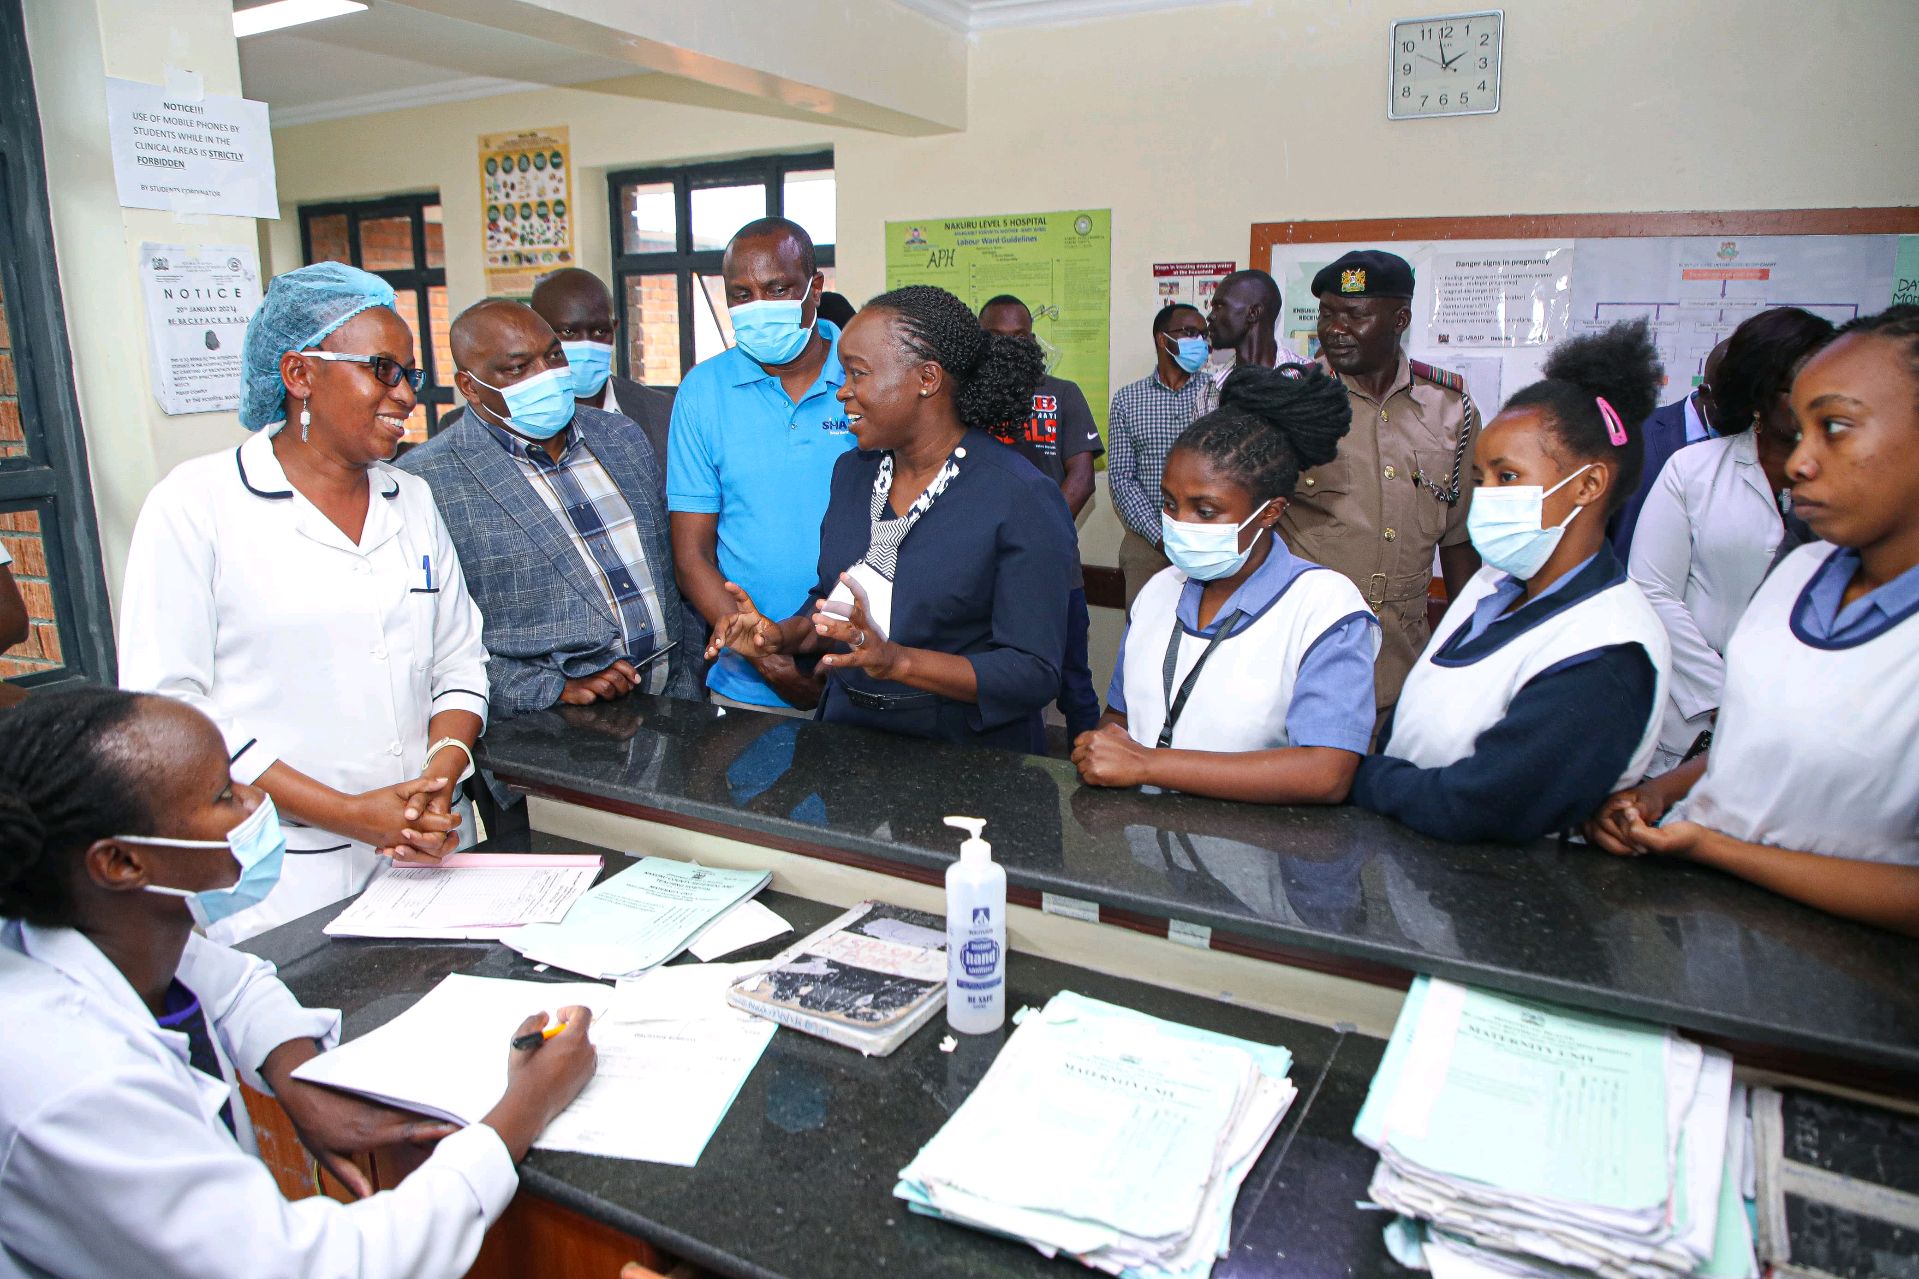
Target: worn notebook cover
{"x":1838,"y":1186}
{"x":867,"y":980}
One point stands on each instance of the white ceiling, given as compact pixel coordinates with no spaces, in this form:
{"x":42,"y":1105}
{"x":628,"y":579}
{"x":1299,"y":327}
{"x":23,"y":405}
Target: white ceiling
{"x":392,"y":56}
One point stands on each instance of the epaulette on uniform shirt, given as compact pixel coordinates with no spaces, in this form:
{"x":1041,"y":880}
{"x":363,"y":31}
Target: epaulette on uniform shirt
{"x":1441,"y":377}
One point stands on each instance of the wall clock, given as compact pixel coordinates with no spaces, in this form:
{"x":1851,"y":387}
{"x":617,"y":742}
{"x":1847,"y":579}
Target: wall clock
{"x":1446,"y":66}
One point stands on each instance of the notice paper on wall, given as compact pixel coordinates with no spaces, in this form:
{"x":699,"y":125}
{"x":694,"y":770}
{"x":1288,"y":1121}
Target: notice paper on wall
{"x":1188,"y":283}
{"x":177,"y":149}
{"x":199,"y":299}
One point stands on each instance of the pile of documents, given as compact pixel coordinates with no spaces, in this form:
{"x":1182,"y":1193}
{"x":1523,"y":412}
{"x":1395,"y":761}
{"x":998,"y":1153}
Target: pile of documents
{"x":672,"y":1057}
{"x":1108,"y":1136}
{"x":639,"y":918}
{"x":1528,"y":1139}
{"x":468,"y":896}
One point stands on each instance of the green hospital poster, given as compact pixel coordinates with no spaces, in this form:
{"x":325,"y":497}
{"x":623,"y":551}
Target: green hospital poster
{"x":1905,"y":272}
{"x":1059,"y":264}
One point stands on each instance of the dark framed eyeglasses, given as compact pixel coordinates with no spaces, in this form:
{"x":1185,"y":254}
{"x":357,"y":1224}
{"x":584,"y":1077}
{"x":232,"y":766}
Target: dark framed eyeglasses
{"x":387,"y":369}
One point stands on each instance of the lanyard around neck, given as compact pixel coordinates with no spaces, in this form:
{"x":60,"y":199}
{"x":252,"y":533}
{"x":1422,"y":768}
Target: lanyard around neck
{"x":1175,"y":706}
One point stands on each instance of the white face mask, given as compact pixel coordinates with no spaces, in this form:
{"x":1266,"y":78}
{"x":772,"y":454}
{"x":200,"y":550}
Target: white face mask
{"x":1504,"y":524}
{"x":1207,"y":552}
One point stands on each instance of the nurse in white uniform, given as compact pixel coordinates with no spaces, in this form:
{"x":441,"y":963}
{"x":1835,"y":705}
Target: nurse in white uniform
{"x":1539,"y":692}
{"x":124,"y":1145}
{"x":1710,"y":523}
{"x":305,"y":595}
{"x":1246,"y":673}
{"x":1810,"y":787}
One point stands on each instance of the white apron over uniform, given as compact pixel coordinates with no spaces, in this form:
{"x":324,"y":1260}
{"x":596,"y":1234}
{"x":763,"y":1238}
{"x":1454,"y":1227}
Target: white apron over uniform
{"x":1817,"y":747}
{"x":244,"y":601}
{"x":1447,"y":703}
{"x":114,"y":1159}
{"x":1705,"y":537}
{"x":1240,"y":700}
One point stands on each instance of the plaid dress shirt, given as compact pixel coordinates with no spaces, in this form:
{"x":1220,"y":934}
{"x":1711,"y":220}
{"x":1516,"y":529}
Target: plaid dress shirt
{"x":590,"y":506}
{"x":1146,"y":419}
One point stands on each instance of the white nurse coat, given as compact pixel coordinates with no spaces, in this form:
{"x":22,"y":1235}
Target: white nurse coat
{"x":243,"y":600}
{"x":114,"y":1161}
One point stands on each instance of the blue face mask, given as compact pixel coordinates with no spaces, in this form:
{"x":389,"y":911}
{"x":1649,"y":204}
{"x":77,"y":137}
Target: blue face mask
{"x":1206,"y":552}
{"x":257,"y":843}
{"x":592,"y":363}
{"x":539,"y":407}
{"x":772,"y":333}
{"x":1191,"y":353}
{"x":1504,"y":524}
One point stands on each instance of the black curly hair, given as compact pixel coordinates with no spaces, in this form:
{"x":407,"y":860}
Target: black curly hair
{"x":1895,"y":324}
{"x":994,"y":377}
{"x":1762,"y":358}
{"x":1619,"y":364}
{"x":63,"y":785}
{"x":1270,"y":425}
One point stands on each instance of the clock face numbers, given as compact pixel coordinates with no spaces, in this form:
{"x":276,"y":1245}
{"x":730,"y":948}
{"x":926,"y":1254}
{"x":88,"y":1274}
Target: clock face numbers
{"x":1445,"y":66}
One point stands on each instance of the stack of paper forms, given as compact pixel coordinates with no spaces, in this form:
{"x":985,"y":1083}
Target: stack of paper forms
{"x":1533,"y":1140}
{"x":1108,"y":1136}
{"x":639,"y":918}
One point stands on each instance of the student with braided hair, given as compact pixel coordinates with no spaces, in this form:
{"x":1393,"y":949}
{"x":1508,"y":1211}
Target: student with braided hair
{"x":1539,"y":692}
{"x":1246,"y":672}
{"x":1810,"y":788}
{"x":945,"y":558}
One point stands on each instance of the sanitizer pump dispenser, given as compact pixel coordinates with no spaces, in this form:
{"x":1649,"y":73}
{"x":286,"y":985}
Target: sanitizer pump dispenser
{"x":975,"y":935}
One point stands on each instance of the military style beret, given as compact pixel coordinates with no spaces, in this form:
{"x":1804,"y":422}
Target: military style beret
{"x":1366,"y":273}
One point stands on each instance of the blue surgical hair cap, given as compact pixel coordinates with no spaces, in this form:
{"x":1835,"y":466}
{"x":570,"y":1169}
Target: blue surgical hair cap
{"x":300,"y":309}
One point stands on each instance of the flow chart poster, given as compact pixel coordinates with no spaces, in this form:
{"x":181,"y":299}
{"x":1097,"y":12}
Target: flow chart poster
{"x":526,"y":192}
{"x":1059,"y":264}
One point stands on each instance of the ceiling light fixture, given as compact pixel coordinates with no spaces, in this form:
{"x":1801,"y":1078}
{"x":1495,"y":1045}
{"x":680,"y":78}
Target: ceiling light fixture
{"x":288,"y":13}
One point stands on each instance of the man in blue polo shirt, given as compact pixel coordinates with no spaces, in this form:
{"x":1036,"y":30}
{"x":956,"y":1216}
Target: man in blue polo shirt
{"x":755,"y":433}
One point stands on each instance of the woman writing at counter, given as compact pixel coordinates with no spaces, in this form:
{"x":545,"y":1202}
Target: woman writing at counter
{"x":124,"y":1144}
{"x":945,"y":558}
{"x":305,"y":596}
{"x":1246,"y":673}
{"x":1810,"y":787}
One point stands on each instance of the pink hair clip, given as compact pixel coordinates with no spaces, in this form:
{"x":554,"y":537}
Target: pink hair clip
{"x":1615,"y":429}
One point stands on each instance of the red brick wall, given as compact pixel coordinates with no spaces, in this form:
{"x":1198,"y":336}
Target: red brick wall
{"x":20,"y":532}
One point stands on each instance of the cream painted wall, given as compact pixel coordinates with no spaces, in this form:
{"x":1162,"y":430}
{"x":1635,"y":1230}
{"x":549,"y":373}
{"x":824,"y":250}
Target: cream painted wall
{"x":75,"y":45}
{"x":1194,"y":123}
{"x":1189,"y":124}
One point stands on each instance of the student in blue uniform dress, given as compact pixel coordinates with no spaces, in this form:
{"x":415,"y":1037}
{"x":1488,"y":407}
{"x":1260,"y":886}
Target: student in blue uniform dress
{"x":945,"y":558}
{"x":1264,"y":659}
{"x":1811,"y":786}
{"x":1539,"y":692}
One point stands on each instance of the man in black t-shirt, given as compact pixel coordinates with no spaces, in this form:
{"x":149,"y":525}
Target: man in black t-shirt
{"x":1061,"y":439}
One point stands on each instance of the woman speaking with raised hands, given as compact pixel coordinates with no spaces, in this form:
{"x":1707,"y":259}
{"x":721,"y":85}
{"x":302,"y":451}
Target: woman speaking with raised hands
{"x":945,"y":559}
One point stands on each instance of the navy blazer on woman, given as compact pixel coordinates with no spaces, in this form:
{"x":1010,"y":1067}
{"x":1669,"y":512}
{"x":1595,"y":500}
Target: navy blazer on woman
{"x":985,"y":575}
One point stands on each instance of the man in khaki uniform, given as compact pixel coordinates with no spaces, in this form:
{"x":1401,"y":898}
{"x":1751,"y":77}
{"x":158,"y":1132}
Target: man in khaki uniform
{"x":1403,"y":478}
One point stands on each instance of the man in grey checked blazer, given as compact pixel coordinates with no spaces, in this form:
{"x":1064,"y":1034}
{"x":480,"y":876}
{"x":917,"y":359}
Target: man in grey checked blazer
{"x":548,"y":618}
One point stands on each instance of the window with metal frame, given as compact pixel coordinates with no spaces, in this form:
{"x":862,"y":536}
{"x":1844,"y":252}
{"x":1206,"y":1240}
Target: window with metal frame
{"x":670,"y":228}
{"x":46,"y":501}
{"x":400,"y":239}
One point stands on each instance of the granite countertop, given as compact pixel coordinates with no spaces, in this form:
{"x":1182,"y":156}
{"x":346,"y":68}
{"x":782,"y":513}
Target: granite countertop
{"x":1666,"y":941}
{"x":797,"y":1181}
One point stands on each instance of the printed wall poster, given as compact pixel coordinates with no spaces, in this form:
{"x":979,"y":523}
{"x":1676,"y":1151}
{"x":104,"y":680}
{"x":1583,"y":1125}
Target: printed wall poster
{"x":1059,"y":264}
{"x":526,"y":197}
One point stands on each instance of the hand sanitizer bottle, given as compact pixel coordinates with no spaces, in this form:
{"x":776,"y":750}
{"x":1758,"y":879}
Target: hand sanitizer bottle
{"x":975,"y":935}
